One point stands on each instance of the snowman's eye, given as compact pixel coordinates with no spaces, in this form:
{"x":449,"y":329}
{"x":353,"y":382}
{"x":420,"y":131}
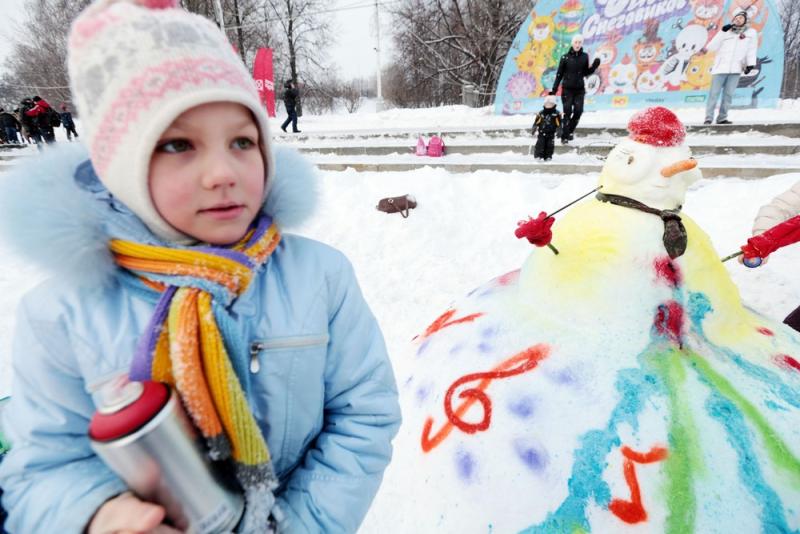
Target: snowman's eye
{"x":630,"y":160}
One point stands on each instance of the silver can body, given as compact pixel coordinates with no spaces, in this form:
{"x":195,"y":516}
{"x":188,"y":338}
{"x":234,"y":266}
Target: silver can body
{"x":163,"y":462}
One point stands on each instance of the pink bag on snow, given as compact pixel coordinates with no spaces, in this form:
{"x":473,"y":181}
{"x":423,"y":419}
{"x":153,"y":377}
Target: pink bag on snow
{"x":436,"y":147}
{"x":421,"y":148}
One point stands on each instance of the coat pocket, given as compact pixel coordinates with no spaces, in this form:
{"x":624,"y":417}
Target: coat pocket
{"x":288,"y":378}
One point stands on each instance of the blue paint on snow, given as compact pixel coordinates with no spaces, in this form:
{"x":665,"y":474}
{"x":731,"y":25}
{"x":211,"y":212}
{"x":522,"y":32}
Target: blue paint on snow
{"x":724,"y":411}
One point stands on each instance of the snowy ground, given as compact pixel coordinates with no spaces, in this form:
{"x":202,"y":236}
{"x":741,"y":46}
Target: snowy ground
{"x":462,"y":234}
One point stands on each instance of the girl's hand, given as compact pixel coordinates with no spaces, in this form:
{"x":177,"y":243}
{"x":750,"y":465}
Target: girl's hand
{"x":126,"y":514}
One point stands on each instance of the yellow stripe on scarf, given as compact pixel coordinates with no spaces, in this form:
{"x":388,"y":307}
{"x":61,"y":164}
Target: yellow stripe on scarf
{"x":189,"y":351}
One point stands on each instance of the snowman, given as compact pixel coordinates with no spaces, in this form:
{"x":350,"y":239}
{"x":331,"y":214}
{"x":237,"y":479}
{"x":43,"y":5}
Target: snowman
{"x":617,"y":386}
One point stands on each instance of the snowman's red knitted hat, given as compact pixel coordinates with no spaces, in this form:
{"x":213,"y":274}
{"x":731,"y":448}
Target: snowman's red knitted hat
{"x":657,"y":126}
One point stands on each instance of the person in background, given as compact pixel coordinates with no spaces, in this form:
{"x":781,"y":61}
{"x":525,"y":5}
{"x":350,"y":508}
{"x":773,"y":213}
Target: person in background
{"x":30,"y":128}
{"x":41,"y":112}
{"x":290,"y":102}
{"x":781,"y":208}
{"x":545,"y":126}
{"x":735,"y":48}
{"x":10,"y":126}
{"x":572,"y":69}
{"x":68,"y":123}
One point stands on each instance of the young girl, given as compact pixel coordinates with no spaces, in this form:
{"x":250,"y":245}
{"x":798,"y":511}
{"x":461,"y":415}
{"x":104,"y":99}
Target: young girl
{"x":166,"y":251}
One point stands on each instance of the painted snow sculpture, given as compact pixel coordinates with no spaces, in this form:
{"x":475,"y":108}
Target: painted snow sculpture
{"x":617,"y":386}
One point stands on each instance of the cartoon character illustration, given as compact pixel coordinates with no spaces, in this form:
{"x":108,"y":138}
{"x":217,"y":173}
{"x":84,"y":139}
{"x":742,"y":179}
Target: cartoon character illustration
{"x":649,"y":81}
{"x":593,"y":83}
{"x":698,"y":72}
{"x":548,"y":79}
{"x":688,"y":42}
{"x":647,"y":49}
{"x":521,"y":85}
{"x":526,"y":61}
{"x":540,"y":46}
{"x":569,"y":24}
{"x":708,"y":13}
{"x":751,"y":79}
{"x":607,"y":53}
{"x":622,"y":78}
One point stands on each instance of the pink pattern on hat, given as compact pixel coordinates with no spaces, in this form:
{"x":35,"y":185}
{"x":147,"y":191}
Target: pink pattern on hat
{"x":150,"y":87}
{"x":160,"y":4}
{"x":87,"y":27}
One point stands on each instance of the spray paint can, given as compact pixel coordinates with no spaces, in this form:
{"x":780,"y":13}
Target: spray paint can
{"x":142,"y":433}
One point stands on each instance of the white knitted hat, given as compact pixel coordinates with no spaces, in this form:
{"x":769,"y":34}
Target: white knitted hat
{"x":134,"y":66}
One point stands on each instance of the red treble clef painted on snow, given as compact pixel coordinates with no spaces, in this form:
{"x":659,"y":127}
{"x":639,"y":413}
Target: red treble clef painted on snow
{"x":520,"y":363}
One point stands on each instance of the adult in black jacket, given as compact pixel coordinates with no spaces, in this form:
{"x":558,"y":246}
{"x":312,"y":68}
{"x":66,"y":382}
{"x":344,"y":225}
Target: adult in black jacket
{"x":290,"y":102}
{"x":572,"y":69}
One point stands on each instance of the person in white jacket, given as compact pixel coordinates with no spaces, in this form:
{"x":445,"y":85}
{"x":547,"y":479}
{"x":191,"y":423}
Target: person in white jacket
{"x":781,"y":208}
{"x":735,"y":47}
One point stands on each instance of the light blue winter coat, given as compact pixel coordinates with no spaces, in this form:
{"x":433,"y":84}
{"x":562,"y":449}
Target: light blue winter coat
{"x":324,"y":395}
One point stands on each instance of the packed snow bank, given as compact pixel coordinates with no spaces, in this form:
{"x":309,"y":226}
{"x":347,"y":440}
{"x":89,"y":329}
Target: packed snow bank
{"x":618,"y":385}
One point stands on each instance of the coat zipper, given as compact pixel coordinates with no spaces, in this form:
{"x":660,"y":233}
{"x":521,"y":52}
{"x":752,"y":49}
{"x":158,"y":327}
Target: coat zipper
{"x":256,"y":347}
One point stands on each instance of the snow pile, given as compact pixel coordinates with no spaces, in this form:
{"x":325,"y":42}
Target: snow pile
{"x":618,"y":384}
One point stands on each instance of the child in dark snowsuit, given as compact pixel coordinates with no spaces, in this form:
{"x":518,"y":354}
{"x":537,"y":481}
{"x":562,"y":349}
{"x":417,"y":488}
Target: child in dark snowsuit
{"x":546,"y":125}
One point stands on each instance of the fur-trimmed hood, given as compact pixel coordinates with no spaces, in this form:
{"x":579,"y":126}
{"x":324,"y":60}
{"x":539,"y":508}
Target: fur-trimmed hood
{"x":54,"y":211}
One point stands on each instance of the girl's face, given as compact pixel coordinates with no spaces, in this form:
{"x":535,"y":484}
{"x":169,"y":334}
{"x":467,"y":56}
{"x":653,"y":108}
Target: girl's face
{"x":207,"y":173}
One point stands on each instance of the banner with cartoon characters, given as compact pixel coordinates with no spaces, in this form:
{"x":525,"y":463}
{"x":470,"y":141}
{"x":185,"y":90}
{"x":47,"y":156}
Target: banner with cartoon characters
{"x":650,"y":51}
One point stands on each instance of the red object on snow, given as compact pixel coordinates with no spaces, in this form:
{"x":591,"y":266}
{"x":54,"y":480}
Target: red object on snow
{"x":537,"y":230}
{"x":780,"y":235}
{"x":657,"y":126}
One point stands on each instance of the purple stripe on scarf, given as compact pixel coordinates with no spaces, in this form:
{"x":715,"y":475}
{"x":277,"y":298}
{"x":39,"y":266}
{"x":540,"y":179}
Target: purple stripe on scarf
{"x":264,"y":222}
{"x":231,"y":254}
{"x":142,"y":365}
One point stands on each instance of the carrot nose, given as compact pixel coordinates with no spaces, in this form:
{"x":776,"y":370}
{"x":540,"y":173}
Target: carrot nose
{"x":678,"y":166}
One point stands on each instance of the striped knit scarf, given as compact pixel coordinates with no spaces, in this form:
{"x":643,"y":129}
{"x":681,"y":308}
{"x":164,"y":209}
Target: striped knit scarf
{"x":185,"y":346}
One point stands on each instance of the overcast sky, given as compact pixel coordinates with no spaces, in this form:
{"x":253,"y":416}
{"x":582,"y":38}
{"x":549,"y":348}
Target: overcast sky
{"x":353,"y":25}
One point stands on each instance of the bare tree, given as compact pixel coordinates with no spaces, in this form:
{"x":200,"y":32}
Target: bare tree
{"x":37,"y":63}
{"x":350,"y":95}
{"x":790,"y":21}
{"x":306,"y":35}
{"x":449,"y":43}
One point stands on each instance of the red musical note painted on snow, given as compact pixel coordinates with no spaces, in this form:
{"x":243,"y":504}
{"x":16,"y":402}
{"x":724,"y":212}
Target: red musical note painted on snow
{"x":520,"y":363}
{"x":632,"y":511}
{"x":443,"y":321}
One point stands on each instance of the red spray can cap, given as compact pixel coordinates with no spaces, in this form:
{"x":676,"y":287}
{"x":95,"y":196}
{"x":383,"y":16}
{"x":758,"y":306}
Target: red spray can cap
{"x":126,"y":407}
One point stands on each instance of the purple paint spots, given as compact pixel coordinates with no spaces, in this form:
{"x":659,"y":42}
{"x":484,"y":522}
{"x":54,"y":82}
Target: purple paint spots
{"x":408,"y":381}
{"x":423,"y":391}
{"x":456,"y":349}
{"x":532,"y":456}
{"x":485,"y":348}
{"x":490,"y":332}
{"x":423,"y":347}
{"x":564,"y":376}
{"x":522,"y":407}
{"x":465,"y":465}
